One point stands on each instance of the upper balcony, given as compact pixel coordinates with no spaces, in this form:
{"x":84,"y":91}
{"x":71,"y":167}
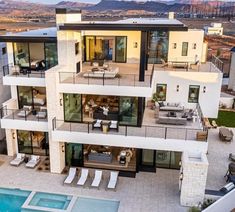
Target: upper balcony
{"x":26,"y":118}
{"x":14,"y":75}
{"x":151,"y":134}
{"x":116,"y":79}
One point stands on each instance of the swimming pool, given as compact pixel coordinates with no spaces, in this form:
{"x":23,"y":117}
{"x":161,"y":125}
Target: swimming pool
{"x":48,"y":200}
{"x":12,"y":199}
{"x":98,"y":205}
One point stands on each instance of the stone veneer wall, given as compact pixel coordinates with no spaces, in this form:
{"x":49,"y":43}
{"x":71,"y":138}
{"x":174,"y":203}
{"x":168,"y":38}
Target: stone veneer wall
{"x":193,"y":178}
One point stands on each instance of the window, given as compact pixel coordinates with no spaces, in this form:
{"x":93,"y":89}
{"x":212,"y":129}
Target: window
{"x":76,"y":48}
{"x":174,"y":45}
{"x":185,"y":49}
{"x":128,"y":111}
{"x":51,"y":55}
{"x":72,"y":108}
{"x":193,"y":95}
{"x":4,"y":50}
{"x":194,"y":46}
{"x":120,"y":49}
{"x":161,"y":92}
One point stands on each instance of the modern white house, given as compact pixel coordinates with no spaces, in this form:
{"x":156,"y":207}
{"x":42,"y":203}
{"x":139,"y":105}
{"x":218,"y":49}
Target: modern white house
{"x":214,"y":29}
{"x":126,"y":95}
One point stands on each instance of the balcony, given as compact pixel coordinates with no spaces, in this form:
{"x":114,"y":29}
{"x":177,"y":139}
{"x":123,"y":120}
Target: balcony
{"x":149,"y":135}
{"x":125,"y":82}
{"x":23,"y":120}
{"x":13,"y":75}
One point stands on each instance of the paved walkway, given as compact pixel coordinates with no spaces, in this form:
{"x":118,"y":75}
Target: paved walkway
{"x":148,"y":192}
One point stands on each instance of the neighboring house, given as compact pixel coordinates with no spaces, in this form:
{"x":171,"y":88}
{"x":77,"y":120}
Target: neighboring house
{"x":94,"y":108}
{"x":214,"y":29}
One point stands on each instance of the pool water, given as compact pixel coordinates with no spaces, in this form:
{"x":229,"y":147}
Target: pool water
{"x":11,"y":200}
{"x":48,"y":200}
{"x":97,"y":205}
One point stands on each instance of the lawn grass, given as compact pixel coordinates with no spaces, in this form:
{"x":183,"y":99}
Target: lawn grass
{"x":225,"y":118}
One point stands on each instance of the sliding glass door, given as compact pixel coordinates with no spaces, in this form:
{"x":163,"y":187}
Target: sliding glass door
{"x":120,"y":49}
{"x":73,"y":154}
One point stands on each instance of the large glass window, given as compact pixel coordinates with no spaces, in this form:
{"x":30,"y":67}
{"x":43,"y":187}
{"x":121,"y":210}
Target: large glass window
{"x":21,"y":54}
{"x":128,"y":110}
{"x":121,"y":49}
{"x":193,"y":95}
{"x":185,"y":49}
{"x":72,"y":107}
{"x":161,"y":92}
{"x":158,"y":46}
{"x":51,"y":56}
{"x":167,"y":159}
{"x":73,"y":154}
{"x":34,"y":96}
{"x":33,"y":142}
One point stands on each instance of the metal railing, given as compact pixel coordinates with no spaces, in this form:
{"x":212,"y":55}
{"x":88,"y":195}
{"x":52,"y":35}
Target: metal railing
{"x":124,"y":130}
{"x":218,"y":63}
{"x":16,"y":71}
{"x":119,"y":80}
{"x":20,"y":114}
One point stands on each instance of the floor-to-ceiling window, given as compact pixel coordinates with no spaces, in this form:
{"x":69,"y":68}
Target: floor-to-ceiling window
{"x":32,"y":142}
{"x":158,"y":46}
{"x":36,"y":56}
{"x":73,"y":154}
{"x":72,"y":107}
{"x":128,"y":112}
{"x":31,"y":96}
{"x":106,"y":48}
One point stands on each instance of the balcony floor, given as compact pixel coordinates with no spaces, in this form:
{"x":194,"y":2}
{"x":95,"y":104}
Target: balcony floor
{"x":128,"y":75}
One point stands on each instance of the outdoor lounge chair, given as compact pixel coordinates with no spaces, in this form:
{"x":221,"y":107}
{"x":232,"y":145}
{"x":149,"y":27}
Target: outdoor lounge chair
{"x":114,"y":125}
{"x":34,"y":161}
{"x":214,"y":125}
{"x":97,"y":179}
{"x":83,"y":178}
{"x":113,"y":180}
{"x":97,"y":124}
{"x":25,"y":111}
{"x":72,"y":173}
{"x":42,"y":114}
{"x":18,"y":160}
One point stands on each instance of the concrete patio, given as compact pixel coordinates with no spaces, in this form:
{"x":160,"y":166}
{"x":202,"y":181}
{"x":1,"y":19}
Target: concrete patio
{"x":147,"y":192}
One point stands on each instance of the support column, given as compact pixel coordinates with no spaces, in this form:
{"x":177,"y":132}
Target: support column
{"x":141,"y":104}
{"x":143,"y":53}
{"x":193,"y":178}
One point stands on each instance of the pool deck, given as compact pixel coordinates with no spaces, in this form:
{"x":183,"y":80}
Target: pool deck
{"x":149,"y":192}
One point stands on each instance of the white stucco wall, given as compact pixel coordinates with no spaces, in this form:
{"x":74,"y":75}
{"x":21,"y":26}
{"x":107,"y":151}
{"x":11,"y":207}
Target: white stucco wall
{"x":209,"y":101}
{"x":190,"y":36}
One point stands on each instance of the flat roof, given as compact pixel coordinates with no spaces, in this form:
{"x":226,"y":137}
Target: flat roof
{"x":135,"y":24}
{"x":38,"y":35}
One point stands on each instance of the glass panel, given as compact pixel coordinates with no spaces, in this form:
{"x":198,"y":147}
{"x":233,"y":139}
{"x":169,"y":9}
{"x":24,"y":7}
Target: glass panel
{"x":161,"y":92}
{"x":128,"y":110}
{"x":24,"y":142}
{"x":73,"y":155}
{"x":25,"y":96}
{"x":72,"y":107}
{"x":90,"y":48}
{"x":163,"y":159}
{"x":51,"y":55}
{"x":184,"y":48}
{"x":193,"y":95}
{"x":175,"y":160}
{"x":158,"y":46}
{"x":121,"y":48}
{"x":147,"y":157}
{"x":21,"y":54}
{"x":39,"y":143}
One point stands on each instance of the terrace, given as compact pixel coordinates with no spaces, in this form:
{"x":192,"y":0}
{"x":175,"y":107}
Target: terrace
{"x":125,"y":75}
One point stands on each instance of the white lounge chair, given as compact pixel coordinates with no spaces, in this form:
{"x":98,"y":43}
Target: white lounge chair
{"x":97,"y":179}
{"x":33,"y":161}
{"x":97,"y":124}
{"x":113,"y":180}
{"x":42,"y":114}
{"x":69,"y":179}
{"x":83,"y":178}
{"x":26,"y":110}
{"x":18,"y":160}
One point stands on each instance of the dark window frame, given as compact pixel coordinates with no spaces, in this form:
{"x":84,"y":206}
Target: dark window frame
{"x":184,"y":52}
{"x":190,"y":99}
{"x":165,"y":93}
